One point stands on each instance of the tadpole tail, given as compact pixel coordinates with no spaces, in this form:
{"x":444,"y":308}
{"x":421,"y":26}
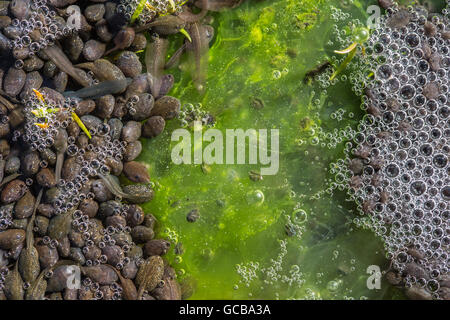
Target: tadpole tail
{"x":58,"y":57}
{"x":191,"y":18}
{"x":113,"y":186}
{"x":58,"y":166}
{"x":175,"y":58}
{"x":30,"y":239}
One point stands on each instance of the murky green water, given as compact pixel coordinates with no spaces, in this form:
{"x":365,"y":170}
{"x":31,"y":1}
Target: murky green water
{"x":260,"y":54}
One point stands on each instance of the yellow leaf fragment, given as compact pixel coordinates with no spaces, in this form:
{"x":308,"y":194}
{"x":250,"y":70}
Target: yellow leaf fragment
{"x":42,"y":125}
{"x":81,"y":124}
{"x":347,"y":50}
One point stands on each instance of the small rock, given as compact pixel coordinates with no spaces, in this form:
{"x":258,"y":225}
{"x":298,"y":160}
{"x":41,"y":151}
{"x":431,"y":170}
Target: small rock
{"x":14,"y":81}
{"x":167,"y":107}
{"x":131,"y":131}
{"x":73,"y":47}
{"x":11,"y":238}
{"x":93,"y":50}
{"x":13,"y":191}
{"x":129,"y":63}
{"x":102,"y":274}
{"x":60,"y":81}
{"x":157,"y":247}
{"x":139,"y":42}
{"x":132,"y":151}
{"x":136,"y":172}
{"x":30,"y":163}
{"x":85,"y":107}
{"x":46,"y":178}
{"x":143,"y":107}
{"x":193,"y":215}
{"x":12,"y":165}
{"x":24,"y":207}
{"x":95,"y":12}
{"x":71,"y":168}
{"x":33,"y":63}
{"x":135,"y":216}
{"x":153,"y":127}
{"x":105,"y":106}
{"x":20,"y":8}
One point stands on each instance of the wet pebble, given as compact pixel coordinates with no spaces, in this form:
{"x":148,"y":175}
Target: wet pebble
{"x":60,"y":81}
{"x":12,"y":165}
{"x":114,"y":254}
{"x":14,"y":81}
{"x":46,"y":178}
{"x":142,"y":234}
{"x":95,"y":12}
{"x":30,"y":163}
{"x":33,"y":63}
{"x":131,"y":131}
{"x":93,"y":50}
{"x":47,"y":256}
{"x":102,"y":274}
{"x":136,"y":172}
{"x":157,"y":247}
{"x":24,"y":207}
{"x":71,"y":168}
{"x":129,"y":63}
{"x":139,"y":42}
{"x":101,"y":192}
{"x":167,"y":107}
{"x":13,"y":191}
{"x":105,"y":106}
{"x":11,"y":238}
{"x":153,"y":127}
{"x":85,"y":107}
{"x":140,"y":193}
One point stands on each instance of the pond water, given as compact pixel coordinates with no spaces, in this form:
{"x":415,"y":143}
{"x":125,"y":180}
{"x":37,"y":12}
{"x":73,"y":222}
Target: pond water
{"x":285,"y":236}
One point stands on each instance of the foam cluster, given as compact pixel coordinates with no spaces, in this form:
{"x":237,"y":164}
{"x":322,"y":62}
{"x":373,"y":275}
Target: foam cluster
{"x":397,"y":167}
{"x":151,"y":8}
{"x":39,"y":27}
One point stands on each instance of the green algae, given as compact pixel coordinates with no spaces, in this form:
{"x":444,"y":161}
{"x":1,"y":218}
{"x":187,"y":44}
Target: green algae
{"x":239,"y":247}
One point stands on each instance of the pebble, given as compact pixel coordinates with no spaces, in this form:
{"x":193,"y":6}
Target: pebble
{"x":141,"y":193}
{"x":46,"y":178}
{"x":143,"y":107}
{"x":132,"y":151}
{"x":157,"y":247}
{"x":153,"y":127}
{"x":74,"y":47}
{"x":13,"y":191}
{"x":105,"y":107}
{"x":11,"y":238}
{"x":24,"y":207}
{"x":136,"y":172}
{"x":167,"y":107}
{"x":131,"y":131}
{"x":95,"y":12}
{"x":93,"y":50}
{"x":14,"y":81}
{"x":129,"y":63}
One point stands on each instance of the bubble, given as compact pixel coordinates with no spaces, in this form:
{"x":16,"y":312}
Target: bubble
{"x":299,"y":216}
{"x":255,"y":197}
{"x":276,"y":74}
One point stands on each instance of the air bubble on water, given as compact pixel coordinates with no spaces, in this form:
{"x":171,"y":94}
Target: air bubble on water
{"x":276,"y":74}
{"x":255,"y":197}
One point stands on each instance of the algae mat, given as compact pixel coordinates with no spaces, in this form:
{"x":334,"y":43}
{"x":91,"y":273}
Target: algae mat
{"x":285,"y":236}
